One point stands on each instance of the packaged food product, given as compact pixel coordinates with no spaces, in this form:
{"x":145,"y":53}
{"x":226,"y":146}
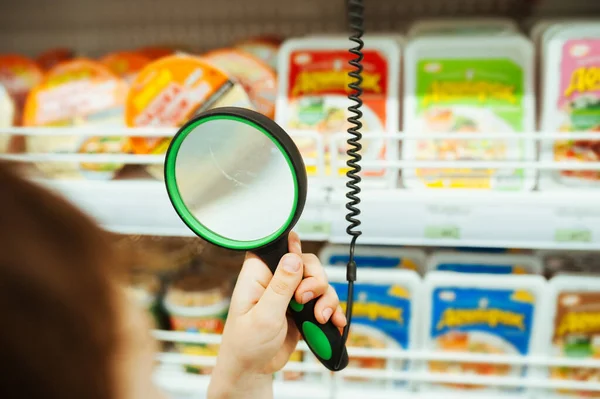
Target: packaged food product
{"x":198,"y":303}
{"x":486,"y":250}
{"x":574,"y":317}
{"x":472,"y":85}
{"x":156,"y":52}
{"x":539,"y":27}
{"x":48,"y":59}
{"x":313,"y":90}
{"x":7,"y":117}
{"x":571,"y":101}
{"x":480,"y":314}
{"x":126,"y":64}
{"x":18,"y":75}
{"x":160,"y":253}
{"x":79,"y":92}
{"x":376,"y":257}
{"x":144,"y":289}
{"x":385,"y":309}
{"x":256,"y":77}
{"x":169,"y":91}
{"x":484,"y":263}
{"x":557,"y":262}
{"x":463,"y":26}
{"x":265,"y":48}
{"x":541,"y":36}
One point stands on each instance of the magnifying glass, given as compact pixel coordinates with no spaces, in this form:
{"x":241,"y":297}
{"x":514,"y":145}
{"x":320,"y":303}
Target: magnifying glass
{"x":237,"y":180}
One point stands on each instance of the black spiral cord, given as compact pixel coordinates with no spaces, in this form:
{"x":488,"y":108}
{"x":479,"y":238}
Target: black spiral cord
{"x":356,"y":22}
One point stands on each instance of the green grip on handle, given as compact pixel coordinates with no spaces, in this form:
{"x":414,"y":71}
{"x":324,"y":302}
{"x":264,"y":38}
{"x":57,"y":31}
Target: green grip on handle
{"x":324,"y":340}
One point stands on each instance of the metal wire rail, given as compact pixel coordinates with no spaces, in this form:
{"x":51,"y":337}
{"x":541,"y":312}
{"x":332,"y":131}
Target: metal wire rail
{"x":535,"y":378}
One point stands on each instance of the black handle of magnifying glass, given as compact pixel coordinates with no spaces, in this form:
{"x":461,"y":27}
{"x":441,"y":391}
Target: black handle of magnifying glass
{"x":324,"y":340}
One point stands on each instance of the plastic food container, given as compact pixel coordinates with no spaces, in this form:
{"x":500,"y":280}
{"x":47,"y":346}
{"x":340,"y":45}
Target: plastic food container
{"x":481,"y":314}
{"x":572,"y":329}
{"x":469,"y":85}
{"x":79,"y":92}
{"x":484,"y":263}
{"x":265,"y":48}
{"x":312,"y":98}
{"x":385,"y":316}
{"x":571,"y":101}
{"x":49,"y":59}
{"x":126,"y":64}
{"x":198,"y":303}
{"x":144,"y":289}
{"x":19,"y":75}
{"x":256,"y":77}
{"x":377,"y":257}
{"x":168,"y":91}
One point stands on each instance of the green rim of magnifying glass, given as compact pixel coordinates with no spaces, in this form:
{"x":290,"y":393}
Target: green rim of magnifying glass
{"x":186,"y":215}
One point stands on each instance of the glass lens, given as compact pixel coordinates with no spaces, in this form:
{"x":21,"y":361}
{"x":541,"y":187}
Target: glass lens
{"x":234,"y":180}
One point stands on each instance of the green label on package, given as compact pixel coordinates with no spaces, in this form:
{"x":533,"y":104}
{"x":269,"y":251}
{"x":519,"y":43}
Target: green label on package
{"x":470,"y":96}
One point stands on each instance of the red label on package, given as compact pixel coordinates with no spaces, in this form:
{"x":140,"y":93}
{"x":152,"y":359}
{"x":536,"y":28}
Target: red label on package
{"x":317,"y":92}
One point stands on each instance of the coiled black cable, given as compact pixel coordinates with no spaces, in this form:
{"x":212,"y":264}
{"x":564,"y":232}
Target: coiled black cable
{"x":356,"y":22}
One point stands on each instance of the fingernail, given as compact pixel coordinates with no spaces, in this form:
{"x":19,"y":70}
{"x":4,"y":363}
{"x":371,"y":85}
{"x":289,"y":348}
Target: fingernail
{"x":327,"y":312}
{"x":307,"y":296}
{"x":291,"y":263}
{"x":298,"y":246}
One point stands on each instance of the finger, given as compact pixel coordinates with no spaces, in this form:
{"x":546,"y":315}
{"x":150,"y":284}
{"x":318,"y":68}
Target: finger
{"x":282,"y":286}
{"x":326,"y":305}
{"x":339,"y":318}
{"x":315,"y":281}
{"x":254,"y":268}
{"x":251,"y":284}
{"x":294,"y":244}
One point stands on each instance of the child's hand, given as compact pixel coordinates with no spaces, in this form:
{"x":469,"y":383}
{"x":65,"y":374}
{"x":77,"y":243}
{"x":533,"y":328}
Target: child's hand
{"x":258,"y":338}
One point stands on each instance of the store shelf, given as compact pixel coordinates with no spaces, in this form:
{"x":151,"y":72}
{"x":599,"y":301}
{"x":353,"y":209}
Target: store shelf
{"x":382,"y":383}
{"x":143,"y":207}
{"x":560,"y":217}
{"x":559,"y":220}
{"x":179,"y":385}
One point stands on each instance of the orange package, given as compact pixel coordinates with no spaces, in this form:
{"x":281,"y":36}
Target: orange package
{"x":48,"y":59}
{"x":171,"y":90}
{"x":156,"y":52}
{"x":265,"y":48}
{"x":18,"y":75}
{"x":79,"y":92}
{"x":256,"y":77}
{"x":126,"y":64}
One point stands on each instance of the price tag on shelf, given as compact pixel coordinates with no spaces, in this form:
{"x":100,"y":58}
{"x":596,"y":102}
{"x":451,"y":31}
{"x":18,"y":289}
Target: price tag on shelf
{"x":313,"y":227}
{"x":444,"y":221}
{"x":576,"y":225}
{"x":573,"y":235}
{"x":442,"y":232}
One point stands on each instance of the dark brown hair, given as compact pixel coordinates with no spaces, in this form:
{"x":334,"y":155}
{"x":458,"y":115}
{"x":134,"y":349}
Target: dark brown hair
{"x":57,"y":311}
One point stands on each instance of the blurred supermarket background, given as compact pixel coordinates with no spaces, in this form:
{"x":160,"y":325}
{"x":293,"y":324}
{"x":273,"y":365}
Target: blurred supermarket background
{"x":482,"y":160}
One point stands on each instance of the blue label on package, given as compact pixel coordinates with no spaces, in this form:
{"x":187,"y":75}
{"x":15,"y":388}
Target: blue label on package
{"x":483,"y":250}
{"x":476,"y":268}
{"x":385,"y":308}
{"x":482,"y":320}
{"x":366,"y":261}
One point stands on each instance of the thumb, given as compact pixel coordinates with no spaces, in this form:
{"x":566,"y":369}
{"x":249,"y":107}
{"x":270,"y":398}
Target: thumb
{"x":282,"y":286}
